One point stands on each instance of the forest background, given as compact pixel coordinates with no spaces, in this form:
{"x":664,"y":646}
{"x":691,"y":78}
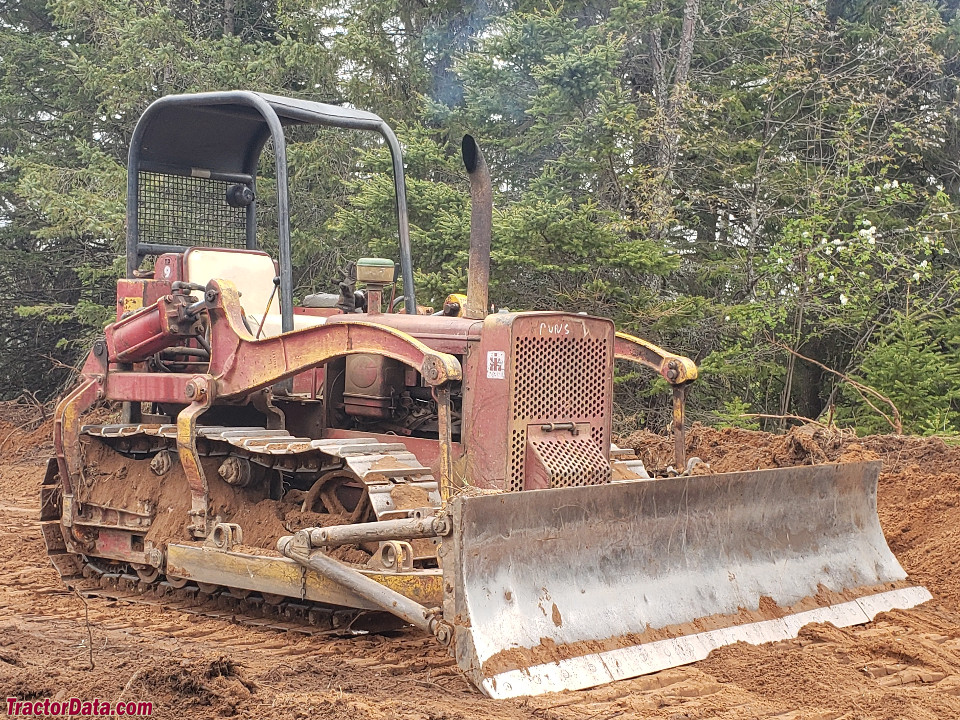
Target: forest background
{"x":770,"y":187}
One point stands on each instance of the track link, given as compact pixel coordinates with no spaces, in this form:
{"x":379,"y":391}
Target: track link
{"x":300,"y":617}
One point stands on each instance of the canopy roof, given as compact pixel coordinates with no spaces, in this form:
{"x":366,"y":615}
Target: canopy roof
{"x":224,"y":132}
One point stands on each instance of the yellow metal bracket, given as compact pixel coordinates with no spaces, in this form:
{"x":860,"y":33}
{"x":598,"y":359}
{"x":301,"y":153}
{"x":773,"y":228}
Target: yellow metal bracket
{"x":677,"y":370}
{"x":202,"y":391}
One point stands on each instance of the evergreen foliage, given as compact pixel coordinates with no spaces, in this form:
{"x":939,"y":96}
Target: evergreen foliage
{"x":731,"y":180}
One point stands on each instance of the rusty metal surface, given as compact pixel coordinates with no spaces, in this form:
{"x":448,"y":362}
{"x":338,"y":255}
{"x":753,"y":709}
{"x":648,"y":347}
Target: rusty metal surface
{"x":388,"y":469}
{"x":481,"y":229}
{"x":563,"y":457}
{"x":151,"y":329}
{"x":374,"y":591}
{"x":363,"y":455}
{"x":442,"y":333}
{"x":561,"y":371}
{"x":190,"y":460}
{"x":677,"y":370}
{"x":66,"y":438}
{"x":552,"y":589}
{"x":147,"y":387}
{"x":426,"y":450}
{"x":679,"y":427}
{"x":291,"y":614}
{"x":445,"y":440}
{"x":383,"y":466}
{"x":402,"y":529}
{"x":557,"y":376}
{"x":242,"y":364}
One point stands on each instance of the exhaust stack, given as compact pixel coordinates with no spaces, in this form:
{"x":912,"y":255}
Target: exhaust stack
{"x":481,"y":223}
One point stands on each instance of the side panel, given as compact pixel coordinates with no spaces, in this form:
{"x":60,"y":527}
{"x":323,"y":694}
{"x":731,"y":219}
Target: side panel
{"x":485,"y":408}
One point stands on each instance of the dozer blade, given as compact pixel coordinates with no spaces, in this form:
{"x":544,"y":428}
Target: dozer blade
{"x":569,"y":588}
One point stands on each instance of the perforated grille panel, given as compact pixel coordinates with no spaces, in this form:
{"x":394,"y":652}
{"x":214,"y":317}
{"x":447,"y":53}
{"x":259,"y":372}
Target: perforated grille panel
{"x":518,"y":446}
{"x":562,"y":378}
{"x":188,"y":211}
{"x":573,"y":462}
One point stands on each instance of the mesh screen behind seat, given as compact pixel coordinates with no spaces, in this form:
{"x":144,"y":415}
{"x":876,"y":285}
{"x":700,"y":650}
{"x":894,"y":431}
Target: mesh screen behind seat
{"x":188,"y":211}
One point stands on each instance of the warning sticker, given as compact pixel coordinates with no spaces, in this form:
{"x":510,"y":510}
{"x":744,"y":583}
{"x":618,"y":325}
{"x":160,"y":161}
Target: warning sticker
{"x":496,"y":364}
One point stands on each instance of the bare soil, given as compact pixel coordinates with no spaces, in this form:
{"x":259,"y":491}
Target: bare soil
{"x":906,"y":664}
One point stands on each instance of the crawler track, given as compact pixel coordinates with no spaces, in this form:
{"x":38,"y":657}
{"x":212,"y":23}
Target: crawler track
{"x":382,"y":467}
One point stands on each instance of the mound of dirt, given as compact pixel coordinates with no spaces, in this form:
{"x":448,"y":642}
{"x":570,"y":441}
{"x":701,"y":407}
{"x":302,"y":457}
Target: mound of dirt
{"x":906,"y":664}
{"x":735,"y":449}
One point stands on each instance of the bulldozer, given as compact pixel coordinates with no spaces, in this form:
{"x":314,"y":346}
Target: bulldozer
{"x":355,"y":462}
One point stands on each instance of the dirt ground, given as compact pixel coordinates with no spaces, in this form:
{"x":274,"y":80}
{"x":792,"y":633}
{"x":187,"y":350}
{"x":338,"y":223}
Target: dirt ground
{"x":906,"y":664}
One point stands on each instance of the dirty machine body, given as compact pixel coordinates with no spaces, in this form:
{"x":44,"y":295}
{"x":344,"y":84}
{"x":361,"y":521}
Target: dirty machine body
{"x":358,"y":461}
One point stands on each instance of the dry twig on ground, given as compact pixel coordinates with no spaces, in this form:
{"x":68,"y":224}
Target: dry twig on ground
{"x":800,"y":418}
{"x":86,"y":614}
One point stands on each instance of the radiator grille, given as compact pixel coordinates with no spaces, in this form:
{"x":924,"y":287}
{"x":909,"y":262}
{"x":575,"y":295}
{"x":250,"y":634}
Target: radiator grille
{"x":562,"y":379}
{"x":188,"y":211}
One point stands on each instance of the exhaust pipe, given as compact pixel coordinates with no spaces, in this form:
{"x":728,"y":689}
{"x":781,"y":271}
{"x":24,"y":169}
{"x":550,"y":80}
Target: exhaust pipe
{"x":481,"y":224}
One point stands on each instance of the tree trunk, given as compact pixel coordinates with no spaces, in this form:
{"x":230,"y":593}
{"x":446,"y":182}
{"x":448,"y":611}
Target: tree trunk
{"x":229,"y":17}
{"x":670,"y":93}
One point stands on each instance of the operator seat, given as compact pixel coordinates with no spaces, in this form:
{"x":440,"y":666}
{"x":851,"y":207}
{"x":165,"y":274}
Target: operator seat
{"x":252,"y":271}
